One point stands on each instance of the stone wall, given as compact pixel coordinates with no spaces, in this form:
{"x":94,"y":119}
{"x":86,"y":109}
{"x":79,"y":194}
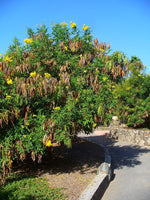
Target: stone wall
{"x":140,"y":137}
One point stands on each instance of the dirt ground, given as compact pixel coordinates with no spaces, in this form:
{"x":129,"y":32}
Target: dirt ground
{"x":74,"y":169}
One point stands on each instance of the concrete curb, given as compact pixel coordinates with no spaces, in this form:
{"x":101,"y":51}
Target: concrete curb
{"x":99,"y":184}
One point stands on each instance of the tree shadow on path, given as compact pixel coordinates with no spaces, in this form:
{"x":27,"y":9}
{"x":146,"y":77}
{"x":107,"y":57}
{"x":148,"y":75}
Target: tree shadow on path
{"x":122,"y":153}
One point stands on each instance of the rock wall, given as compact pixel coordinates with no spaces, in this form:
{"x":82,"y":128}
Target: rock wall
{"x":140,"y":137}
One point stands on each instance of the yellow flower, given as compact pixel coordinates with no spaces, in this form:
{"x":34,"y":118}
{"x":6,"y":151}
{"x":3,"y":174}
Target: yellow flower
{"x":94,"y":125}
{"x":30,"y":138}
{"x":66,"y":48}
{"x":149,"y":74}
{"x":28,"y":40}
{"x":113,"y":86}
{"x":22,"y":126}
{"x":67,"y":87}
{"x":104,"y":78}
{"x":48,"y":144}
{"x":139,"y":75}
{"x":9,"y":81}
{"x":85,"y":71}
{"x":57,"y":108}
{"x":34,"y":115}
{"x":27,"y":124}
{"x":102,"y":50}
{"x":73,"y":25}
{"x":8,"y":96}
{"x":43,"y":116}
{"x":64,"y":24}
{"x":1,"y":55}
{"x":47,"y":75}
{"x":24,"y":136}
{"x":32,"y":74}
{"x":7,"y":58}
{"x":84,"y":28}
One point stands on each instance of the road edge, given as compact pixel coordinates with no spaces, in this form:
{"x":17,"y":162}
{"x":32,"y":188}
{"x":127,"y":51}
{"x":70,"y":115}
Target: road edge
{"x":99,"y":184}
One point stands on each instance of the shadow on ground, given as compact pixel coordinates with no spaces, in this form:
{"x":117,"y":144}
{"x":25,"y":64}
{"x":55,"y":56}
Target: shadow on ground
{"x":123,"y":154}
{"x":84,"y":156}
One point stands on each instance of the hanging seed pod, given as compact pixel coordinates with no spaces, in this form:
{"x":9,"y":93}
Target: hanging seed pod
{"x":4,"y":169}
{"x":122,"y":73}
{"x":33,"y":156}
{"x":32,"y":91}
{"x":45,"y":138}
{"x":22,"y":157}
{"x":107,"y":57}
{"x":26,"y":118}
{"x":1,"y":123}
{"x":95,"y":118}
{"x":39,"y":158}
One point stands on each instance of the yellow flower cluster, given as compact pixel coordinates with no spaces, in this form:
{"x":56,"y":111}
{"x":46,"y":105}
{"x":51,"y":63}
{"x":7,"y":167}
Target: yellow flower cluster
{"x":64,"y":24}
{"x":104,"y":78}
{"x":32,"y":74}
{"x":7,"y":58}
{"x":9,"y":81}
{"x":85,"y":71}
{"x":73,"y":25}
{"x":84,"y":28}
{"x":57,"y":108}
{"x":28,"y":40}
{"x":48,"y":144}
{"x":47,"y":75}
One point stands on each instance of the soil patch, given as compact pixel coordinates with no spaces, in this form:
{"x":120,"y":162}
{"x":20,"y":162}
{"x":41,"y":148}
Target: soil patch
{"x":75,"y":168}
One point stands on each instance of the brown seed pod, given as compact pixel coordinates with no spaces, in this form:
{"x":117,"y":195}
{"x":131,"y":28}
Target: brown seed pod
{"x":33,"y":156}
{"x":22,"y":157}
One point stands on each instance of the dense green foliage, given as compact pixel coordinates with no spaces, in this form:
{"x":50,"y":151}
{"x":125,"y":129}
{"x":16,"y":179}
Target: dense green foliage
{"x":133,"y":97}
{"x":61,"y":82}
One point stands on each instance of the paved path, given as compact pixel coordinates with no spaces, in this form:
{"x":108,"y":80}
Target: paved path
{"x":131,"y":169}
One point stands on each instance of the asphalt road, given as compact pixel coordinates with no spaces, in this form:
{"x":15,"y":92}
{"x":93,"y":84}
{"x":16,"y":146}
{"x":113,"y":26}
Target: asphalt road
{"x":130,"y":166}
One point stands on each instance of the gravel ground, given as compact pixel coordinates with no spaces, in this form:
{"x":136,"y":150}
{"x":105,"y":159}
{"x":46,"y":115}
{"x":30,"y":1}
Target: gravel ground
{"x":74,"y":169}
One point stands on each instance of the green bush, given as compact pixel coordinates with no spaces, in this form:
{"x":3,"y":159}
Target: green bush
{"x":133,"y":96}
{"x":29,"y":188}
{"x":55,"y":85}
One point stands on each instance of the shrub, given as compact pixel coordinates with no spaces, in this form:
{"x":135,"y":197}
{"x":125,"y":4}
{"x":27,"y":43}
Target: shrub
{"x":52,"y":87}
{"x":133,"y":96}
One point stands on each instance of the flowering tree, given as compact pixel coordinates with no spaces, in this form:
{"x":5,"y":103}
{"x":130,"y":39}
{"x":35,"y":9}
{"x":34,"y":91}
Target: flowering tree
{"x":52,"y":87}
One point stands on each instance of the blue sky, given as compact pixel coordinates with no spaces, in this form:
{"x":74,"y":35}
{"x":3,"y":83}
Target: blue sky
{"x":125,"y":24}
